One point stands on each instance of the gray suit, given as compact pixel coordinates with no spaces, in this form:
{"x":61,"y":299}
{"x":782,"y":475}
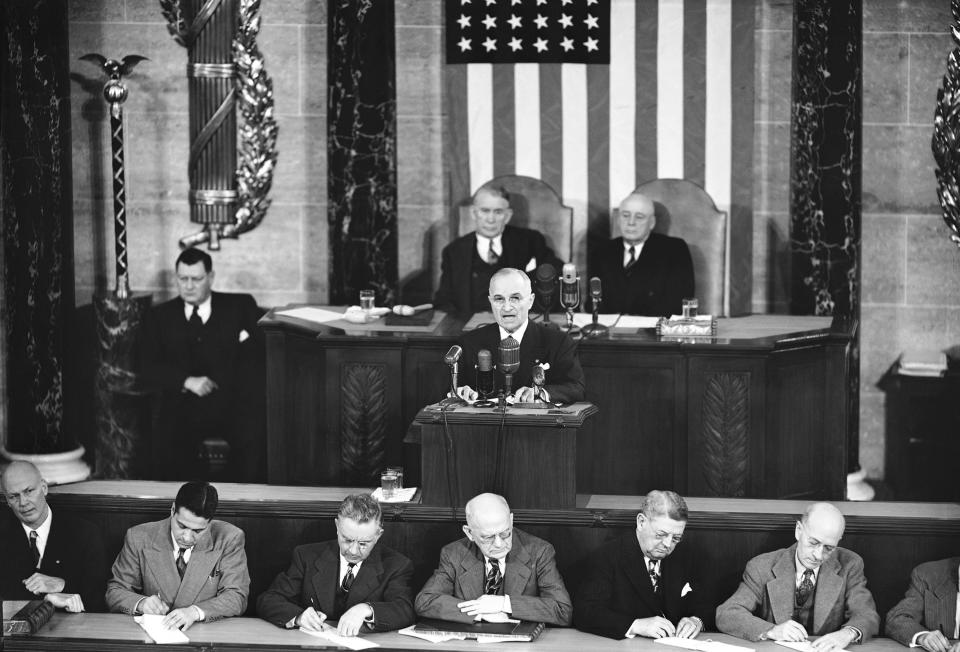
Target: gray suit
{"x":765,"y":597}
{"x":532,"y":581}
{"x":930,"y":603}
{"x":216,"y":578}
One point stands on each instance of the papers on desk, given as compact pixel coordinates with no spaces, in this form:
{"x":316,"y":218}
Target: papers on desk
{"x":703,"y":645}
{"x":800,"y":646}
{"x":581,"y":319}
{"x":330,"y":634}
{"x":316,"y":315}
{"x":438,"y":637}
{"x":399,"y":495}
{"x":152,"y":624}
{"x":636,"y":321}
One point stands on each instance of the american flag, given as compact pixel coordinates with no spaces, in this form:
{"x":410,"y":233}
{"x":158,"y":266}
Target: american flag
{"x":674,"y":101}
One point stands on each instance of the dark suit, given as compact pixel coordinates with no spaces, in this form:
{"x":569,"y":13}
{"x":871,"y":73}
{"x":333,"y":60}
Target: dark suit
{"x":216,"y":578}
{"x":617,"y":590}
{"x":171,"y":351}
{"x":564,"y":379}
{"x":74,"y":553}
{"x":532,"y":581}
{"x":654,"y":286}
{"x":456,"y":272}
{"x":383,"y":582}
{"x":765,"y":597}
{"x":930,"y":603}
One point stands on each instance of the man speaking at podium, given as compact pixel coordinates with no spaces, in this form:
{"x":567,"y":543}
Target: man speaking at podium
{"x":511,"y":298}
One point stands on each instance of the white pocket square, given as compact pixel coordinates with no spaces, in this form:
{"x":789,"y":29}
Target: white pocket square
{"x":686,"y":589}
{"x":244,"y":336}
{"x":531,"y":265}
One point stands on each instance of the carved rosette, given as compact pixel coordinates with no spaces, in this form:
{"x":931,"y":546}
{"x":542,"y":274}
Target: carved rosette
{"x":363,"y":406}
{"x":946,"y":134}
{"x":726,"y":453}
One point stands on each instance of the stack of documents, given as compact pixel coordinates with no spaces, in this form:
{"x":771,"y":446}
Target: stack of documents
{"x":922,"y":363}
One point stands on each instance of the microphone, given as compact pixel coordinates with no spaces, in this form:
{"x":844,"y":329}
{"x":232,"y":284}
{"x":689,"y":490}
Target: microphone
{"x":484,"y":378}
{"x":451,"y":358}
{"x":545,"y":284}
{"x":509,"y":363}
{"x":596,"y":329}
{"x":570,"y":294}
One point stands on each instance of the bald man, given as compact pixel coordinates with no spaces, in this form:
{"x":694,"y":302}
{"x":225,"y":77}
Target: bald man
{"x":59,"y":559}
{"x":643,"y":273}
{"x":495,"y":572}
{"x":812,"y":588}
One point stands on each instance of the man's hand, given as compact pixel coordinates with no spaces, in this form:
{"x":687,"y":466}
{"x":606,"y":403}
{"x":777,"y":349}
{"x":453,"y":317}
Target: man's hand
{"x":485,"y":604}
{"x":655,"y":627}
{"x":39,"y":583}
{"x":688,"y":627}
{"x":790,"y":630}
{"x":934,"y":642}
{"x":181,"y":618}
{"x":69,"y":601}
{"x":834,"y":640}
{"x":467,"y":393}
{"x":524,"y":395}
{"x":199,"y":385}
{"x":352,"y":619}
{"x":154,"y":605}
{"x":311,"y":619}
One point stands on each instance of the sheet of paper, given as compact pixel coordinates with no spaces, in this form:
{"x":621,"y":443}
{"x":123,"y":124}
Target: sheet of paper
{"x":152,"y":625}
{"x":637,"y":321}
{"x":399,"y":495}
{"x":581,"y":319}
{"x":702,"y":644}
{"x":802,"y":646}
{"x":316,"y":315}
{"x":427,"y":636}
{"x":352,"y":642}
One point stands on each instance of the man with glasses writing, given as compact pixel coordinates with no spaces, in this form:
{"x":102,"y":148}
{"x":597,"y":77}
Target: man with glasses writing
{"x":511,"y":298}
{"x":496,"y":572}
{"x":353,"y":580}
{"x":468,"y":262}
{"x":643,"y":273}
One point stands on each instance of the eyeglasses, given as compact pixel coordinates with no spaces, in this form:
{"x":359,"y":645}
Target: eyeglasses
{"x":514,"y":300}
{"x":488,"y":539}
{"x":362,"y":544}
{"x":496,"y":212}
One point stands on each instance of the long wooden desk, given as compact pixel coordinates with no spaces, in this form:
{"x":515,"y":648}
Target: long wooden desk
{"x":115,"y":632}
{"x":760,"y":411}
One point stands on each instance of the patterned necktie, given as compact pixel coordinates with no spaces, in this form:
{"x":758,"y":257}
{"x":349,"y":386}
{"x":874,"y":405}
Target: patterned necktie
{"x":493,"y":585}
{"x":348,"y":578}
{"x":492,"y":257}
{"x":633,"y":257}
{"x":181,"y":563}
{"x":653,"y":567}
{"x":805,"y":588}
{"x":34,"y":549}
{"x":195,"y":321}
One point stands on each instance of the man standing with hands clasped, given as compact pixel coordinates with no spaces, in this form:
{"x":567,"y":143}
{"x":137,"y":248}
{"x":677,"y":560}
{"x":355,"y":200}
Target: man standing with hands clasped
{"x":633,"y":589}
{"x":812,"y":588}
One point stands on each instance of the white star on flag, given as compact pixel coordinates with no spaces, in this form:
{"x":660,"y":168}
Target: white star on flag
{"x":566,"y":2}
{"x":591,"y":44}
{"x":491,"y":2}
{"x":464,"y":21}
{"x":541,"y":21}
{"x":541,"y":2}
{"x":591,"y":22}
{"x":464,"y":44}
{"x":541,"y":45}
{"x":515,"y":44}
{"x":567,"y":44}
{"x":566,"y":21}
{"x":490,"y":21}
{"x":490,"y":44}
{"x":515,"y":21}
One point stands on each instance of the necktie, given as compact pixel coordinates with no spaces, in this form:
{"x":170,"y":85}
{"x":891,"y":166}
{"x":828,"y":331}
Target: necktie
{"x":633,"y":257}
{"x":493,"y":584}
{"x":34,"y":549}
{"x":805,"y":588}
{"x":181,"y":563}
{"x":348,"y":579}
{"x":492,"y":256}
{"x":654,"y":569}
{"x":195,"y":321}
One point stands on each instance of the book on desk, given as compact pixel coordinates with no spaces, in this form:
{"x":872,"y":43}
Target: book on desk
{"x":25,"y":617}
{"x":513,"y":631}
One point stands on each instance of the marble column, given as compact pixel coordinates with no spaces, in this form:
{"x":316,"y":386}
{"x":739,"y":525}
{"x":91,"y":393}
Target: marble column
{"x":826,"y":157}
{"x":362,"y":150}
{"x":37,"y":230}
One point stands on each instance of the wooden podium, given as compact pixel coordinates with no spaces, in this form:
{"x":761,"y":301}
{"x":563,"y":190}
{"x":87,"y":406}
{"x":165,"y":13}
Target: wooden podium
{"x":537,"y":450}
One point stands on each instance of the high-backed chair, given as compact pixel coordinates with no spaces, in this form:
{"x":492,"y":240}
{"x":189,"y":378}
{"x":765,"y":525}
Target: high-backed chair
{"x":685,"y":210}
{"x":535,"y":206}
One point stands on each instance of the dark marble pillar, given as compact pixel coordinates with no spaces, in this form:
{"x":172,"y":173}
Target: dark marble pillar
{"x":361,"y":150}
{"x":826,"y":156}
{"x":37,"y":229}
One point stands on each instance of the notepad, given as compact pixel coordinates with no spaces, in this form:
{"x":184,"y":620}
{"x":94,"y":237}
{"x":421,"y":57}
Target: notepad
{"x":316,"y":315}
{"x":703,"y":645}
{"x":351,"y":642}
{"x":799,"y":646}
{"x":152,"y":624}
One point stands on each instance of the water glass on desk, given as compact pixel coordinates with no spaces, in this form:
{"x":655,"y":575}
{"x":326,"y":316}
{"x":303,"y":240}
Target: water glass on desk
{"x":397,"y":471}
{"x":388,"y":484}
{"x":367,"y":298}
{"x":690,"y":308}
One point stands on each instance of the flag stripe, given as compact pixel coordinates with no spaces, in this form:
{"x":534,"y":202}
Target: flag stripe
{"x":623,"y":81}
{"x":598,"y":135}
{"x":480,"y":123}
{"x":527,"y":107}
{"x":716,"y":153}
{"x":694,"y":86}
{"x":504,"y":132}
{"x":552,"y":101}
{"x":574,"y":190}
{"x":458,"y":150}
{"x":645,"y":91}
{"x":670,"y":90}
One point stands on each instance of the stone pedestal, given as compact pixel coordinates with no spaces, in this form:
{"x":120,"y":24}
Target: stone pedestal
{"x":55,"y":468}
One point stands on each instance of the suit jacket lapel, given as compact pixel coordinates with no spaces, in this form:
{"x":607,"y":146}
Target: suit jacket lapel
{"x":946,"y":591}
{"x":203,"y":558}
{"x":367,"y":579}
{"x":638,"y":574}
{"x":782,"y":588}
{"x":518,"y":568}
{"x":326,"y":570}
{"x":159,"y":558}
{"x":470,"y":579}
{"x":829,"y":589}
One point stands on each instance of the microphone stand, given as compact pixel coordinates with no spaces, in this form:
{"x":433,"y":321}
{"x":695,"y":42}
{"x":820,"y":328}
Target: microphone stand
{"x":596,"y":329}
{"x":453,"y":399}
{"x":570,"y":307}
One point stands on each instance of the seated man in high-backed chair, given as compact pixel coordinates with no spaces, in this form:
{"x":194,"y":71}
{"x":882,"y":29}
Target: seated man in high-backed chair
{"x":470,"y":261}
{"x":643,"y":273}
{"x":927,"y":615}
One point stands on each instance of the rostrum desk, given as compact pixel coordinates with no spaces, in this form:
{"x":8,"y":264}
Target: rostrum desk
{"x":759,"y":411}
